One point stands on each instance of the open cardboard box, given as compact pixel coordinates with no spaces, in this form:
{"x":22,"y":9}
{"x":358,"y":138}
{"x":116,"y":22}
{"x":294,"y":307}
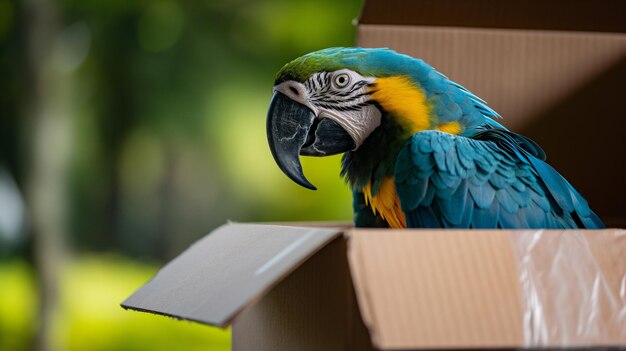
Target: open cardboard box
{"x":315,"y":288}
{"x":555,"y":70}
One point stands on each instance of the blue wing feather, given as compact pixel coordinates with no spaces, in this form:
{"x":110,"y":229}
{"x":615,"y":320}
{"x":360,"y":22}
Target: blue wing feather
{"x":496,"y":179}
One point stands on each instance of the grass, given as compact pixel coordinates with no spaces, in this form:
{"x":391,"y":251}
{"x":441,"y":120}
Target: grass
{"x":89,"y":315}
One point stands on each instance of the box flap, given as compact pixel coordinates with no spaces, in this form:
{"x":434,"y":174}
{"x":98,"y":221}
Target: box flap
{"x":521,"y":74}
{"x":222,"y":273}
{"x":574,"y":15}
{"x":426,"y":289}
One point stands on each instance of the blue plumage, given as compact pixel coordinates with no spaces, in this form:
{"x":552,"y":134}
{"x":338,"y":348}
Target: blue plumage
{"x":494,"y":180}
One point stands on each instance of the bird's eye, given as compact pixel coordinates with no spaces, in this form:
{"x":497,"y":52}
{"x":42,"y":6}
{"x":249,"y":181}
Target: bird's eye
{"x":342,"y":80}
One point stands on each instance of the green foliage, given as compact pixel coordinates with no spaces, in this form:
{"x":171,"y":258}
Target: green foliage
{"x":170,"y":138}
{"x":89,"y":316}
{"x":165,"y":102}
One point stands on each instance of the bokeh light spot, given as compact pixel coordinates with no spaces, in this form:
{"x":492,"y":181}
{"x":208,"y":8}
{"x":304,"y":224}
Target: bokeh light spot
{"x":71,"y":47}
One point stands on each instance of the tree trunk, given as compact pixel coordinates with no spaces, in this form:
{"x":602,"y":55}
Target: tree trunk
{"x":46,"y":137}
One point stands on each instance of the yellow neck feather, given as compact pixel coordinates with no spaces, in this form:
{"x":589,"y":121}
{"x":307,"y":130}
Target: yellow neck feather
{"x":403,"y":100}
{"x":386,"y":203}
{"x":407,"y":102}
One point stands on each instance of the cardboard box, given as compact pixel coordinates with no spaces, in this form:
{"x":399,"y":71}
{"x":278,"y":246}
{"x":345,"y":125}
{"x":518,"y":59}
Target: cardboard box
{"x":555,"y":71}
{"x":308,"y":288}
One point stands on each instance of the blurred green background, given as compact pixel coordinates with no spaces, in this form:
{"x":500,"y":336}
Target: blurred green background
{"x":128,"y":130}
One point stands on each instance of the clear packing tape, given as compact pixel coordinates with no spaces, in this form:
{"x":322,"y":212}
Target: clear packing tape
{"x":573,"y":286}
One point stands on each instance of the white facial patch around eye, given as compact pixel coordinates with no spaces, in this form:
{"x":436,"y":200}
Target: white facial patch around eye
{"x":347,"y":105}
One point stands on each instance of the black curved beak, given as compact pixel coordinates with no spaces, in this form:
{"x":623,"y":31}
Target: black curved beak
{"x":293,"y":130}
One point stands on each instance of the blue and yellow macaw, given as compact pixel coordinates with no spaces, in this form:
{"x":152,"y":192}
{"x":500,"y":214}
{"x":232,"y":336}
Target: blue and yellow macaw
{"x":421,"y":151}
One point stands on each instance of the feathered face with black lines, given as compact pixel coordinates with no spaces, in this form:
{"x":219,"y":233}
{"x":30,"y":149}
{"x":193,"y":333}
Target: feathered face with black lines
{"x":327,"y":114}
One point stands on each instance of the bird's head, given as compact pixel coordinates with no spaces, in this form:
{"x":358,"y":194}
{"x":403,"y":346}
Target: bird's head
{"x":330,"y":101}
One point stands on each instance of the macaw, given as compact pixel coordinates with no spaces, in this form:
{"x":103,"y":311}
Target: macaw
{"x":420,"y":151}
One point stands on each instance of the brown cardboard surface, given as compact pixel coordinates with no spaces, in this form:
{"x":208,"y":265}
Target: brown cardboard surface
{"x":572,"y":15}
{"x":227,"y":270}
{"x":314,"y":308}
{"x":437,"y":289}
{"x":561,"y":89}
